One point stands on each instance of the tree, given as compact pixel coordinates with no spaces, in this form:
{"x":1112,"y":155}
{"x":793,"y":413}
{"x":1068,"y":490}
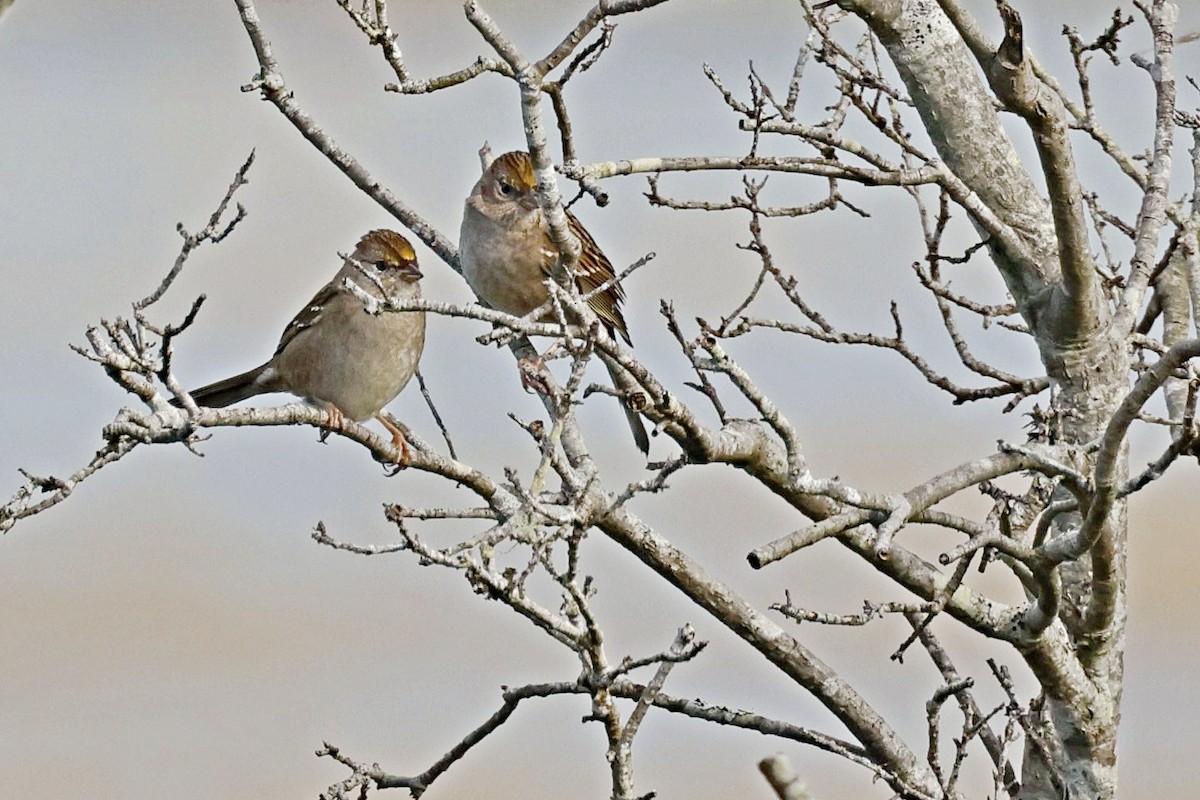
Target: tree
{"x":921,"y":100}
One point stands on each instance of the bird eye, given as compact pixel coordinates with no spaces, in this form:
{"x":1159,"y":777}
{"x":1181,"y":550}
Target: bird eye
{"x":381,"y":265}
{"x":507,"y":189}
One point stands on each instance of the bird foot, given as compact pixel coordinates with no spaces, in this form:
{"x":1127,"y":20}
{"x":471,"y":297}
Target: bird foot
{"x":335,"y":420}
{"x":398,"y":441}
{"x":533,"y":375}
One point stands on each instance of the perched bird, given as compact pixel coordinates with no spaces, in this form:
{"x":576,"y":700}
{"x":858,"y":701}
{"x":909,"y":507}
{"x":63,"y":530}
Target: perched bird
{"x":507,"y":254}
{"x":337,"y":355}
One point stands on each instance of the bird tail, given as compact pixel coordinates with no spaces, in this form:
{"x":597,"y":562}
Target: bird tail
{"x":231,"y":390}
{"x":623,"y":381}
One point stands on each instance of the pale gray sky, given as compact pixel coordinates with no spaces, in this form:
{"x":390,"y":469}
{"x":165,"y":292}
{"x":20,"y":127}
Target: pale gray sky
{"x":172,"y":628}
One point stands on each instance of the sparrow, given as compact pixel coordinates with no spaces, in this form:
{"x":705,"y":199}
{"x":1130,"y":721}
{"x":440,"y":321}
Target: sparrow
{"x":335,"y":353}
{"x":507,"y":254}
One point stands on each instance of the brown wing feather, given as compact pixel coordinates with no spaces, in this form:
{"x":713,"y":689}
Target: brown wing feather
{"x":308,"y":316}
{"x":594,"y":270}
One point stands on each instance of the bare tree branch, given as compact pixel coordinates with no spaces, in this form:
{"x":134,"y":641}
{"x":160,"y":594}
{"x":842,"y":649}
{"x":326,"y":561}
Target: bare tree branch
{"x":271,"y":83}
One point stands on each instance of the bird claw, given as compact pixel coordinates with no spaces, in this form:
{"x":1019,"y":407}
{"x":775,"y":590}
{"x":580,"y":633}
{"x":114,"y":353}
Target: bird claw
{"x":335,"y":420}
{"x":398,"y":442}
{"x":532,"y":371}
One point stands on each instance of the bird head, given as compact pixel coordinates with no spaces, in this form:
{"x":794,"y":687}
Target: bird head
{"x":390,"y":253}
{"x":510,"y":181}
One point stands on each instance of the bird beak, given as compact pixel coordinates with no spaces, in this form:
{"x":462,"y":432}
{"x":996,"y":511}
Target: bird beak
{"x":529,"y":202}
{"x":411,"y":271}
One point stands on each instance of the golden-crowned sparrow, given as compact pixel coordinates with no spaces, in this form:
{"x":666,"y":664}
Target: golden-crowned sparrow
{"x":336,"y":354}
{"x":507,"y":255}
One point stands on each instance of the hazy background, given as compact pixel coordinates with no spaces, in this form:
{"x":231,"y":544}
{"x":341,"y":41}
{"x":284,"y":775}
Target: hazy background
{"x":171,"y":630}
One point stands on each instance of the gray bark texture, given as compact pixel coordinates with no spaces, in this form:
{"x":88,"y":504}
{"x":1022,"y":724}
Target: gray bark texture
{"x":1049,"y":271}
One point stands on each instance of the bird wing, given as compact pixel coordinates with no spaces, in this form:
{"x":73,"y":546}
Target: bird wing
{"x":593,"y":270}
{"x":308,"y":316}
